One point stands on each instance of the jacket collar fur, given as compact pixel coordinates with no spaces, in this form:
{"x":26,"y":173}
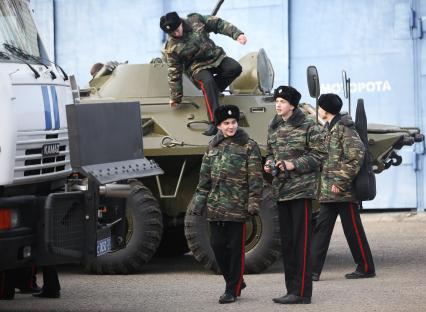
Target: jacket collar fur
{"x":295,"y":120}
{"x":240,"y":138}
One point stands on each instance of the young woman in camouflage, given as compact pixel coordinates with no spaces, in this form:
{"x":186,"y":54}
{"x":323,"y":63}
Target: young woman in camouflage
{"x":295,"y":146}
{"x":345,"y":156}
{"x":230,"y":186}
{"x":189,"y":49}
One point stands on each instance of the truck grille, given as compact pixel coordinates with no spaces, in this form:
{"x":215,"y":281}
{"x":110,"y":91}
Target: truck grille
{"x":30,"y":163}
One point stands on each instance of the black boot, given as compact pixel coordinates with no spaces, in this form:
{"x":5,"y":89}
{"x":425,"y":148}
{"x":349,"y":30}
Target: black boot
{"x":292,"y":299}
{"x":48,"y":294}
{"x":7,"y":294}
{"x":227,"y":298}
{"x":7,"y":282}
{"x":357,"y":274}
{"x":211,"y":130}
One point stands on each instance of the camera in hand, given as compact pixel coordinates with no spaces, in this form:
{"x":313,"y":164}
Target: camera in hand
{"x":275,"y":171}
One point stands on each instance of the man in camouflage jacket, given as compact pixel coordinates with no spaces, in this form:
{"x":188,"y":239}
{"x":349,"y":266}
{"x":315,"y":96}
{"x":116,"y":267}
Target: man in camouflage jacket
{"x":189,"y":49}
{"x":295,"y":147}
{"x":230,"y":186}
{"x":345,"y":156}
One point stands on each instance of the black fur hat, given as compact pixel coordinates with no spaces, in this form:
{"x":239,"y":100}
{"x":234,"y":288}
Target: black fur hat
{"x":331,"y":103}
{"x":224,"y":112}
{"x":170,"y":22}
{"x":289,"y":94}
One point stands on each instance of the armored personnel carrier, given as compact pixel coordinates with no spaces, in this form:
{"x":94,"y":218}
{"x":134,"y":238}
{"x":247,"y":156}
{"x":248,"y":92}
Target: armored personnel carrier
{"x":156,"y":209}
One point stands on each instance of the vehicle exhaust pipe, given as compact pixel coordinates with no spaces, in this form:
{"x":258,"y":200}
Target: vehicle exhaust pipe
{"x":108,"y":190}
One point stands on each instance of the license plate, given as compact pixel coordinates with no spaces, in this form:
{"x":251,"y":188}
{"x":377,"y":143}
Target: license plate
{"x":50,"y":149}
{"x":103,"y":246}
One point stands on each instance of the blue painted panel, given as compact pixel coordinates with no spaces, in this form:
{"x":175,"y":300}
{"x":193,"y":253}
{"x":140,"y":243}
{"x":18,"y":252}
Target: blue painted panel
{"x":396,"y":187}
{"x":371,"y":41}
{"x":94,"y":31}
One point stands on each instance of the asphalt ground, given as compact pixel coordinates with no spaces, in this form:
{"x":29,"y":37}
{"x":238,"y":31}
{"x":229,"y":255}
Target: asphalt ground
{"x":397,"y":240}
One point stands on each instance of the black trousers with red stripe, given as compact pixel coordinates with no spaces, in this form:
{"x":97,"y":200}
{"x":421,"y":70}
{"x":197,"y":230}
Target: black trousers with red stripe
{"x":214,"y":80}
{"x":354,"y":232}
{"x":7,"y":284}
{"x":227,"y":240}
{"x":296,"y":231}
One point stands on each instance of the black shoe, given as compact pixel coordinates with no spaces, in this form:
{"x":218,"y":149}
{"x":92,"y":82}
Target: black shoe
{"x":292,"y":299}
{"x":8,"y":296}
{"x":25,"y":290}
{"x":315,"y":277}
{"x":358,"y":274}
{"x":243,"y":285}
{"x":227,"y":298}
{"x":280,"y":299}
{"x":46,"y":294}
{"x":211,"y":130}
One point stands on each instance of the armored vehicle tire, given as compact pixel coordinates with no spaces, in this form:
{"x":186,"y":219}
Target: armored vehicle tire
{"x":262,"y":238}
{"x":173,"y":242}
{"x":144,"y":230}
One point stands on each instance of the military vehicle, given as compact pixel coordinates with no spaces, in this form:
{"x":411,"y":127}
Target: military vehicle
{"x":173,"y":138}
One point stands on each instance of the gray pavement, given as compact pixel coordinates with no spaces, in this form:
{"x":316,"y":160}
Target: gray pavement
{"x":397,"y":240}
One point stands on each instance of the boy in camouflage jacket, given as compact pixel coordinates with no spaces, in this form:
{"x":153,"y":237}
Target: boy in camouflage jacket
{"x":230,"y":185}
{"x":295,"y":145}
{"x":345,"y":156}
{"x":189,"y":49}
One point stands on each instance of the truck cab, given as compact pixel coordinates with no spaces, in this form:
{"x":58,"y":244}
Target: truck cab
{"x":34,"y":149}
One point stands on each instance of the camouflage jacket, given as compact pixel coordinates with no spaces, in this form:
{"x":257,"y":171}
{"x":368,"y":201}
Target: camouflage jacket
{"x":231,"y":180}
{"x":195,"y":50}
{"x":299,"y":140}
{"x":345,"y":156}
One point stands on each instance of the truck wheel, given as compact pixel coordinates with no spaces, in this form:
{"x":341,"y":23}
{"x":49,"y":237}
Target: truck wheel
{"x":262,"y":238}
{"x":144,"y":230}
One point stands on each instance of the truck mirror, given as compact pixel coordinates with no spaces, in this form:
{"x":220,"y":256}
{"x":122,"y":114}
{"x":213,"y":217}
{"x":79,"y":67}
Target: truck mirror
{"x":313,"y":82}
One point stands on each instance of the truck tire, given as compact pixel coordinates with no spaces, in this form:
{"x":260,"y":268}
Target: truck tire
{"x":263,"y":244}
{"x":145,"y":227}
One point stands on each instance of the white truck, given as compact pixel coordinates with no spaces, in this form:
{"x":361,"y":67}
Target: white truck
{"x":34,"y":147}
{"x":42,"y":219}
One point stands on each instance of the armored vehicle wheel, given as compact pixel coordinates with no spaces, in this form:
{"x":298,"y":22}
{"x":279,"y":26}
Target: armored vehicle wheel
{"x":262,"y":238}
{"x":173,"y":242}
{"x":144,"y":229}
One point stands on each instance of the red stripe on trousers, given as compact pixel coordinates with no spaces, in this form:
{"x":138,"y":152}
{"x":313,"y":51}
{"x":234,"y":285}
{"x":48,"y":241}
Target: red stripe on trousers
{"x":209,"y":108}
{"x":240,"y":281}
{"x":305,"y":250}
{"x":358,"y":237}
